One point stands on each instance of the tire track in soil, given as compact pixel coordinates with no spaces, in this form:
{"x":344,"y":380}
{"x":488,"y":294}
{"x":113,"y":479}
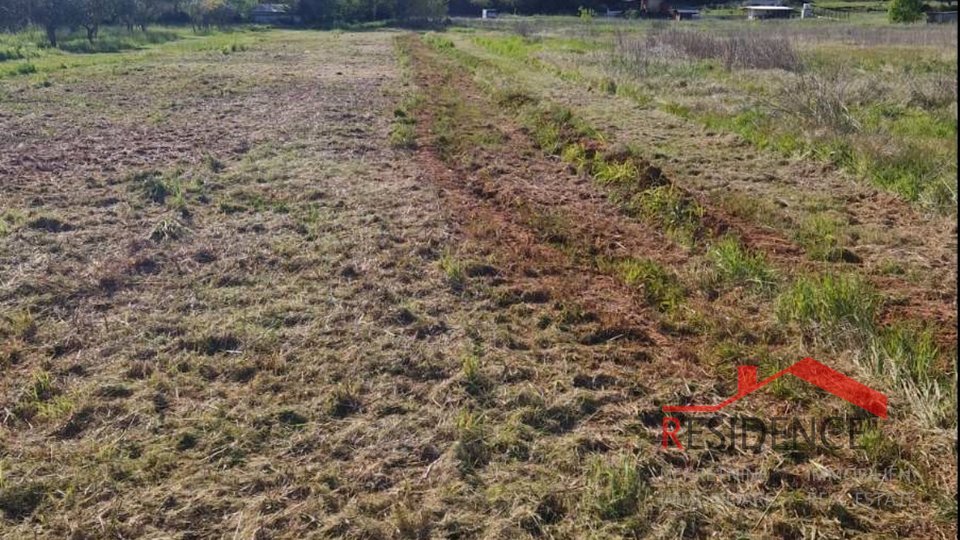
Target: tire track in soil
{"x":518,"y":177}
{"x":482,"y":198}
{"x":932,"y":238}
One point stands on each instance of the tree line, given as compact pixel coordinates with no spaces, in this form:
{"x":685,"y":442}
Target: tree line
{"x":54,"y":16}
{"x":530,"y":7}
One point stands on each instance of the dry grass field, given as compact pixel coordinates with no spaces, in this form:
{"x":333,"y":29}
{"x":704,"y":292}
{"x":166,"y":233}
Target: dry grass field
{"x":386,"y":284}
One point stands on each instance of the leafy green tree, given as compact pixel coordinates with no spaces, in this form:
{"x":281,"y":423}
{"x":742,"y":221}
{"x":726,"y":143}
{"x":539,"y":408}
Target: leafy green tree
{"x":421,"y":9}
{"x":14,"y":14}
{"x":54,"y":14}
{"x":93,"y":13}
{"x":905,"y":11}
{"x":141,"y":13}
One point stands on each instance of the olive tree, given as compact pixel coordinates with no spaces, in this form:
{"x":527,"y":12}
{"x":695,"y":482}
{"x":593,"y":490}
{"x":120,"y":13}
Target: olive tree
{"x":905,"y":11}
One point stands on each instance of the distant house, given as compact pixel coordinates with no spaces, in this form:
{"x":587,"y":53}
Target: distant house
{"x":272,"y":14}
{"x":488,"y":14}
{"x":941,"y":17}
{"x":685,"y":14}
{"x":768,"y":12}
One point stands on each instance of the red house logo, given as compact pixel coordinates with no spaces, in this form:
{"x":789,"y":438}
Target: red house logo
{"x":809,"y":370}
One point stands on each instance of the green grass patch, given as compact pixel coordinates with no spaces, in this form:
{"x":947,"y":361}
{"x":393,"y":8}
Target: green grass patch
{"x":831,"y":303}
{"x":472,"y":448}
{"x":616,"y":487}
{"x":910,"y":349}
{"x":20,"y":51}
{"x":822,"y":237}
{"x":513,"y":47}
{"x":661,"y":288}
{"x":912,"y":170}
{"x":736,"y":265}
{"x":673,"y":209}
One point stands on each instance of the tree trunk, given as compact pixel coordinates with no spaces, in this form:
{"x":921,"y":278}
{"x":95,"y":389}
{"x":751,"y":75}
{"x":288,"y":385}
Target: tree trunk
{"x":52,"y":35}
{"x":92,"y":32}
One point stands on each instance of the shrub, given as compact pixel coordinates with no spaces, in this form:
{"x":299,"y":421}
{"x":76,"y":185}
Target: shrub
{"x":524,"y":29}
{"x":25,"y":68}
{"x":905,"y":11}
{"x":821,"y":100}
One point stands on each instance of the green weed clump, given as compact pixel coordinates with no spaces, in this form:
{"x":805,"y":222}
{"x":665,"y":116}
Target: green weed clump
{"x":472,"y":448}
{"x":822,"y":238}
{"x":157,"y":187}
{"x":614,"y":172}
{"x":908,"y":358}
{"x":438,"y":42}
{"x":474,"y":380}
{"x":661,"y":288}
{"x":737,"y":265}
{"x":832,"y":302}
{"x":403,"y":131}
{"x":555,"y":127}
{"x":10,"y":220}
{"x":671,"y":208}
{"x":168,"y":229}
{"x":453,"y":268}
{"x":616,"y":488}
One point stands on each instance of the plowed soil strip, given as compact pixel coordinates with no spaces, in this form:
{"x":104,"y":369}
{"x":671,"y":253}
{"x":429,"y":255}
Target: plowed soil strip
{"x":492,"y":194}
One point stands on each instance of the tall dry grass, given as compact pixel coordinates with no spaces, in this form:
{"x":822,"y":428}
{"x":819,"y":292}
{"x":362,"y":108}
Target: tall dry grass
{"x":747,"y":50}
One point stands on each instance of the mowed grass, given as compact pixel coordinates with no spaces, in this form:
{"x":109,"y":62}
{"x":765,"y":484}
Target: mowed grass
{"x":887,"y":114}
{"x":834,"y":310}
{"x":883,"y":109}
{"x":27,"y":52}
{"x":294,"y":336}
